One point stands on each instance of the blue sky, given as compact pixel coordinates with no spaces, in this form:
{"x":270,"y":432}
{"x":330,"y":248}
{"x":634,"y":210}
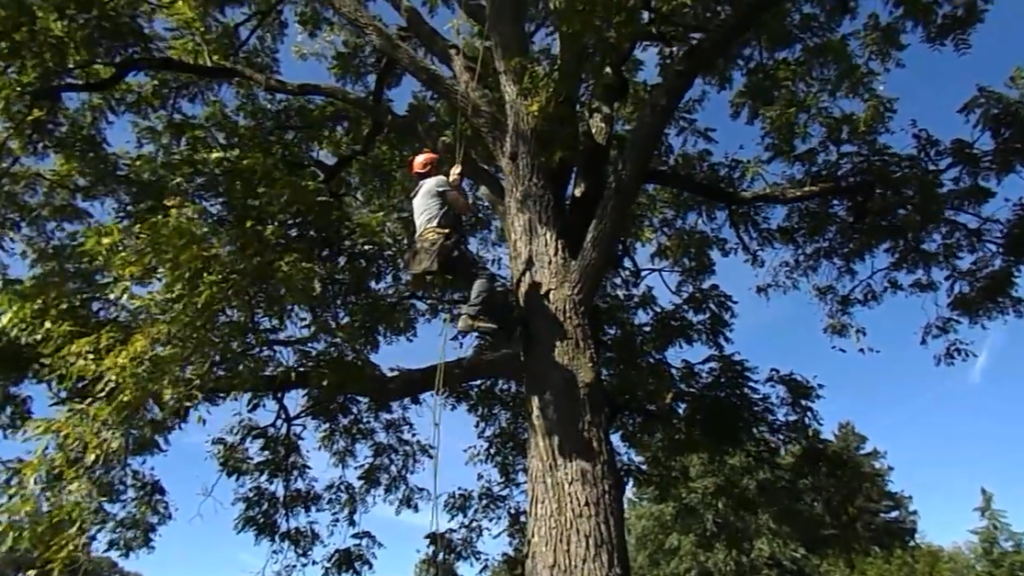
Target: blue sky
{"x":947,"y":431}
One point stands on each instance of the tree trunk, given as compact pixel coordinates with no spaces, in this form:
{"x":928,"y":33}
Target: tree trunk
{"x":575,"y":512}
{"x":575,"y":521}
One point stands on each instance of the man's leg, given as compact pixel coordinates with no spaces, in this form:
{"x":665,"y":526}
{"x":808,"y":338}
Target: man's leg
{"x":470,"y":272}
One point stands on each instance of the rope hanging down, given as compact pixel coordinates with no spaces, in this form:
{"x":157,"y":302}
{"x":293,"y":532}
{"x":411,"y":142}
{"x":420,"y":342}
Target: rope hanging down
{"x":460,"y":142}
{"x":436,"y":412}
{"x":438,"y":405}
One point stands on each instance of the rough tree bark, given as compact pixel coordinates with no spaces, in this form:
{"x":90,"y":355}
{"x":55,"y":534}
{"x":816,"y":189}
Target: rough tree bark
{"x":575,"y":509}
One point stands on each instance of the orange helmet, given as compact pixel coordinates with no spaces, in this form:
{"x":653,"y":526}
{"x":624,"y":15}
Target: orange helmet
{"x":424,"y":162}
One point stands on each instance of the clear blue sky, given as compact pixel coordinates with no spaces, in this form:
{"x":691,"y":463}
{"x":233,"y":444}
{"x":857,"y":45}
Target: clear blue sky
{"x":947,"y":431}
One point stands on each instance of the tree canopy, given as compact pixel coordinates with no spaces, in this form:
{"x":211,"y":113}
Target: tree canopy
{"x":15,"y":563}
{"x":994,"y":549}
{"x":205,"y":202}
{"x":783,"y":504}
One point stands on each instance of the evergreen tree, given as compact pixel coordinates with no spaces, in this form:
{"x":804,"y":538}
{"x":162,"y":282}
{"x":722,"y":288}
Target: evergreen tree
{"x":666,"y":538}
{"x":848,"y":485}
{"x":775,"y":506}
{"x":998,"y":549}
{"x":995,"y":550}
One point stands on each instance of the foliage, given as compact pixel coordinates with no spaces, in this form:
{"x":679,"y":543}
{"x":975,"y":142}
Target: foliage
{"x":926,"y":559}
{"x":996,"y":550}
{"x":194,"y":229}
{"x":428,"y":565}
{"x":999,"y":549}
{"x":784,"y":504}
{"x":21,"y":564}
{"x":666,"y":541}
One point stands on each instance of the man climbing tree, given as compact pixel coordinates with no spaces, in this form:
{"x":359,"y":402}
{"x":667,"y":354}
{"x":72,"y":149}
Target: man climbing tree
{"x":438,"y":207}
{"x":201,"y":198}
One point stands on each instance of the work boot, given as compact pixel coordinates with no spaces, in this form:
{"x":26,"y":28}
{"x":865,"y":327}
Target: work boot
{"x":469,"y":323}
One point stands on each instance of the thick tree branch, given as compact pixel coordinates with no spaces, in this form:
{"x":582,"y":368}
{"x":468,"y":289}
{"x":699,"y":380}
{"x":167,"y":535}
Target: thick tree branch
{"x":346,"y":378}
{"x":592,"y":175}
{"x":478,"y":111}
{"x":678,"y":77}
{"x":509,"y":45}
{"x":563,"y":108}
{"x":506,"y":25}
{"x":475,"y":11}
{"x":371,"y":382}
{"x":437,"y":45}
{"x":775,"y":195}
{"x":126,"y":68}
{"x":417,"y":26}
{"x":380,"y":117}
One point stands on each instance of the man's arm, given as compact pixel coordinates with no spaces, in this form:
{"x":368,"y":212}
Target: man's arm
{"x":455,"y":197}
{"x":457,"y":200}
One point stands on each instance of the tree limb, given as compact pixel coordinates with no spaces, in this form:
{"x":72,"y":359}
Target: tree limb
{"x":563,"y":107}
{"x":466,"y":98}
{"x":380,"y":117}
{"x":775,"y":195}
{"x":126,"y":68}
{"x":592,"y":176}
{"x":678,"y":77}
{"x":261,"y":17}
{"x":376,"y":385}
{"x":432,"y":40}
{"x":475,"y":11}
{"x":437,"y":45}
{"x":346,"y":378}
{"x":377,"y":109}
{"x":506,"y":25}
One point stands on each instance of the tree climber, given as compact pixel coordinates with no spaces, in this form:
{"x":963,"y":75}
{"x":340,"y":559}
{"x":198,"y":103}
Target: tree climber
{"x":438,"y":207}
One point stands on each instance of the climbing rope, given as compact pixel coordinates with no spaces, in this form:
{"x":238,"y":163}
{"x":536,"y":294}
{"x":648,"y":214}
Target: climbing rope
{"x":439,"y":388}
{"x":460,"y":142}
{"x":436,"y":412}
